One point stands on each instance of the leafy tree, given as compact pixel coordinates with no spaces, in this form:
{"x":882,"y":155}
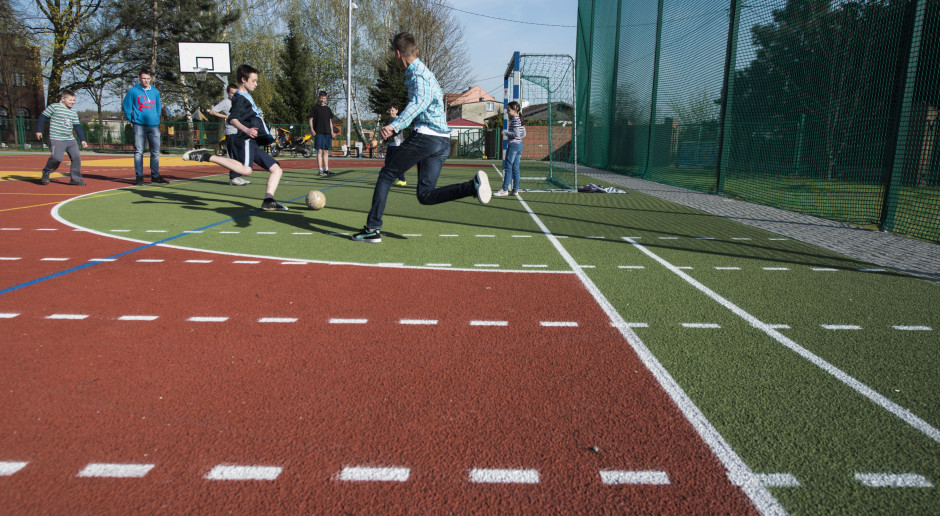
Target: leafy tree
{"x":294,"y":93}
{"x":389,"y":89}
{"x":61,"y":24}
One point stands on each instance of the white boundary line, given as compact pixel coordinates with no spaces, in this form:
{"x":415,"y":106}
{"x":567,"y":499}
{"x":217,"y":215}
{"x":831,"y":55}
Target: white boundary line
{"x":902,"y":413}
{"x":738,"y":472}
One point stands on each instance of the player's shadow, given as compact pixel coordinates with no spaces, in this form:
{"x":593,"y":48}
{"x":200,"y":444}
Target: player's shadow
{"x":166,"y":196}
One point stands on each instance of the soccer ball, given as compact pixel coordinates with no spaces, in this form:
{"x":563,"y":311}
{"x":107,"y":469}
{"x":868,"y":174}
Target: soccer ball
{"x":316,"y":200}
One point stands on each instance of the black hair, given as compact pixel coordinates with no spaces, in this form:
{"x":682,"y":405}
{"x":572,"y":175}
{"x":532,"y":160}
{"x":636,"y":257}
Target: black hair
{"x":231,"y":86}
{"x":390,"y":106}
{"x":322,"y":93}
{"x":244,"y":71}
{"x":144,"y":70}
{"x":66,"y":93}
{"x":515,"y":105}
{"x":405,"y":43}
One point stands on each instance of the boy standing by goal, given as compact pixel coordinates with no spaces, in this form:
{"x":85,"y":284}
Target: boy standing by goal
{"x":252,"y":134}
{"x":427,"y":146}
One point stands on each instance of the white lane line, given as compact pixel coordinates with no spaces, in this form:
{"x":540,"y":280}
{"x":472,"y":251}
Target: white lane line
{"x":103,"y":260}
{"x":54,"y":259}
{"x":71,"y":317}
{"x":229,"y":232}
{"x":522,"y":236}
{"x":739,"y":238}
{"x":588,"y":266}
{"x":9,"y":468}
{"x":119,"y":230}
{"x":727,"y":268}
{"x":892,"y":480}
{"x":207,"y":319}
{"x":685,"y":268}
{"x":489,"y":323}
{"x":8,"y":315}
{"x":47,"y":229}
{"x":504,"y":476}
{"x":779,"y":326}
{"x":630,"y":325}
{"x":631,"y":266}
{"x":779,"y":239}
{"x":824,"y":269}
{"x":192,"y":231}
{"x":246,"y":261}
{"x":10,"y":258}
{"x":913,"y":328}
{"x":364,"y":474}
{"x":243,"y":473}
{"x":840,"y":327}
{"x":277,"y":320}
{"x":390,"y":264}
{"x":348,"y":321}
{"x":669,"y":238}
{"x":155,"y":231}
{"x":294,"y":263}
{"x":303,"y":233}
{"x":738,"y":472}
{"x":594,"y":237}
{"x":659,"y":478}
{"x":486,"y":265}
{"x":115,"y":470}
{"x":900,"y":412}
{"x":150,"y":260}
{"x":534,"y":265}
{"x":778,"y":480}
{"x":700,"y":325}
{"x":485,"y":236}
{"x":10,"y":229}
{"x":704,"y":238}
{"x":411,"y":235}
{"x":429,"y":322}
{"x":437,"y":265}
{"x":872,"y":270}
{"x":775,"y":268}
{"x":138,"y":317}
{"x":448,"y":235}
{"x":566,"y":324}
{"x":267,"y":232}
{"x":341,"y":234}
{"x":198,"y":261}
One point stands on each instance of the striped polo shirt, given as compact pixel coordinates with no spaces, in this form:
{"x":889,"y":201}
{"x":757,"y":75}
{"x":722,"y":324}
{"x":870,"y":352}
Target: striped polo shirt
{"x":61,"y":120}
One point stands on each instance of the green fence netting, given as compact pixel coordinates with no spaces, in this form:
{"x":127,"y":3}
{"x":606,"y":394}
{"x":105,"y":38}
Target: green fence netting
{"x":822,"y":107}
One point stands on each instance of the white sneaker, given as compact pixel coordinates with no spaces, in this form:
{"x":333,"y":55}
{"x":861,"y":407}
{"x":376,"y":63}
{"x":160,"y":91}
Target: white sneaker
{"x":501,"y":193}
{"x":239,"y":181}
{"x":482,"y":184}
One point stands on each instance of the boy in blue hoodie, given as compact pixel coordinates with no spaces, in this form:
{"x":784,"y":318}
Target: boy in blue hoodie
{"x":142,"y":108}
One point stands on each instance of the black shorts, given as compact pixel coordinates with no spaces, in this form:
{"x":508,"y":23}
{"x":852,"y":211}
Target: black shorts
{"x":247,"y":152}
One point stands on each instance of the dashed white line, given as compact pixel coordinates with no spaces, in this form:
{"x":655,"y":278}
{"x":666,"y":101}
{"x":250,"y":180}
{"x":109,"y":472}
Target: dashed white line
{"x":54,"y":260}
{"x":588,"y":266}
{"x":522,"y":236}
{"x":10,"y":229}
{"x":115,"y":470}
{"x":913,"y":328}
{"x":10,"y":258}
{"x":669,"y":238}
{"x":630,"y":325}
{"x":192,"y":231}
{"x":892,"y":480}
{"x":267,"y":232}
{"x":119,"y":230}
{"x":364,"y":474}
{"x":198,"y":261}
{"x":155,"y":231}
{"x":8,"y":315}
{"x":775,"y":268}
{"x":779,"y":239}
{"x":595,"y":237}
{"x":612,"y":477}
{"x":150,"y":260}
{"x":779,"y":326}
{"x":47,"y":229}
{"x":103,"y":260}
{"x":727,"y":268}
{"x":872,"y":270}
{"x":777,"y":480}
{"x":138,"y":317}
{"x":704,"y":238}
{"x":448,"y":235}
{"x":229,"y":232}
{"x":71,"y":317}
{"x":563,"y":324}
{"x":489,"y":323}
{"x":739,"y":238}
{"x":824,"y":269}
{"x":277,"y":320}
{"x":437,"y":265}
{"x":486,"y":265}
{"x":485,"y":236}
{"x":631,"y":266}
{"x":390,"y":264}
{"x":535,"y":265}
{"x":701,"y":325}
{"x":412,"y":234}
{"x":207,"y":319}
{"x":246,"y":261}
{"x":348,"y":321}
{"x":243,"y":473}
{"x":840,"y":327}
{"x":294,"y":263}
{"x":9,"y":468}
{"x":306,"y":233}
{"x":504,"y":476}
{"x":429,"y":322}
{"x":337,"y":233}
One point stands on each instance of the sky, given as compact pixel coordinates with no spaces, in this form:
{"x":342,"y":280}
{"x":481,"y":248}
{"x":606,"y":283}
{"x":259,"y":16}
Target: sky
{"x":490,"y":42}
{"x":491,"y":34}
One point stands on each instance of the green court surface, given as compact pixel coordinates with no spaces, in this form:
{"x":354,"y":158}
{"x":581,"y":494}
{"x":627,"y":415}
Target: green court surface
{"x":821,"y":372}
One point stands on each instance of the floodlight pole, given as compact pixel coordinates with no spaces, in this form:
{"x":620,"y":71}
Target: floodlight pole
{"x":352,"y":6}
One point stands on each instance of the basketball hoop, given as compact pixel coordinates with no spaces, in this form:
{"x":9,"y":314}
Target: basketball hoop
{"x":200,"y":73}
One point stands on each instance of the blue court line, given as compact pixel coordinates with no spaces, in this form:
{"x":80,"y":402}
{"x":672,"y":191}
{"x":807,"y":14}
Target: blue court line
{"x":158,"y":242}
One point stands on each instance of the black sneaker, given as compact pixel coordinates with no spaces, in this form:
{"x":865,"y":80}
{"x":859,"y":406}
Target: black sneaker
{"x":321,"y":173}
{"x":158,"y":180}
{"x":139,"y":181}
{"x":45,"y":178}
{"x":197,"y":155}
{"x":372,"y":236}
{"x":77,"y":183}
{"x":270,"y":204}
{"x":329,"y":173}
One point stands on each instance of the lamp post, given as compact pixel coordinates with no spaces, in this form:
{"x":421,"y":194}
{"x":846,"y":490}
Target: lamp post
{"x":352,"y":5}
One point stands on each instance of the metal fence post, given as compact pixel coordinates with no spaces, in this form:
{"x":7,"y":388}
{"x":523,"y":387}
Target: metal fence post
{"x":727,"y":90}
{"x":656,"y":58}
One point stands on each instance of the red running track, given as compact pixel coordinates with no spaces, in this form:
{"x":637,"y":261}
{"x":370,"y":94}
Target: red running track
{"x":306,"y":399}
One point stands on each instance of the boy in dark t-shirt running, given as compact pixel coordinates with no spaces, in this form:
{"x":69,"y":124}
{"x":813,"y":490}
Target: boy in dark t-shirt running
{"x":252,"y":134}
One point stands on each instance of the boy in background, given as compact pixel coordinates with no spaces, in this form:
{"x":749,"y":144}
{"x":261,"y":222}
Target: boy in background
{"x":252,"y":134}
{"x":62,"y":121}
{"x":321,"y":127}
{"x":222,"y":110}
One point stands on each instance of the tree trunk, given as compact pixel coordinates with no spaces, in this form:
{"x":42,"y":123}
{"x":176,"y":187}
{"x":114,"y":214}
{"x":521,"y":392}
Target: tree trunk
{"x":156,"y":34}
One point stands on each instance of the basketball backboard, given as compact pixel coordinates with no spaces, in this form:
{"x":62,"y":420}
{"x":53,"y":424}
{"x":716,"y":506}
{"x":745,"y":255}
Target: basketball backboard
{"x":205,"y":57}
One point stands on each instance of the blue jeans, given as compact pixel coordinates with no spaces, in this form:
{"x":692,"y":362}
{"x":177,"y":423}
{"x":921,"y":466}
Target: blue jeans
{"x":152,"y":134}
{"x":429,"y":153}
{"x":511,"y":165}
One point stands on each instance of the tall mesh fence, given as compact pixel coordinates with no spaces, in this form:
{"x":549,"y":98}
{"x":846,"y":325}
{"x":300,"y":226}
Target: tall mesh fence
{"x":822,"y":107}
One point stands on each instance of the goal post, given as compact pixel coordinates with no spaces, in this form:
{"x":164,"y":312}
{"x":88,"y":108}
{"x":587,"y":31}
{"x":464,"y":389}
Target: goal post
{"x":543,"y":85}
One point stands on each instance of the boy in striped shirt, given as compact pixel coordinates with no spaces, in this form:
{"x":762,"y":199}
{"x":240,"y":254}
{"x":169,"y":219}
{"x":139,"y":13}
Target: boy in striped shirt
{"x":62,"y":121}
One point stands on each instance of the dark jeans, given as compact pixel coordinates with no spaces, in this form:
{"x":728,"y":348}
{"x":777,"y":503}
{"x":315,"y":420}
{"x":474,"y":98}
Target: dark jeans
{"x":150,"y":134}
{"x":389,"y":154}
{"x":429,"y":153}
